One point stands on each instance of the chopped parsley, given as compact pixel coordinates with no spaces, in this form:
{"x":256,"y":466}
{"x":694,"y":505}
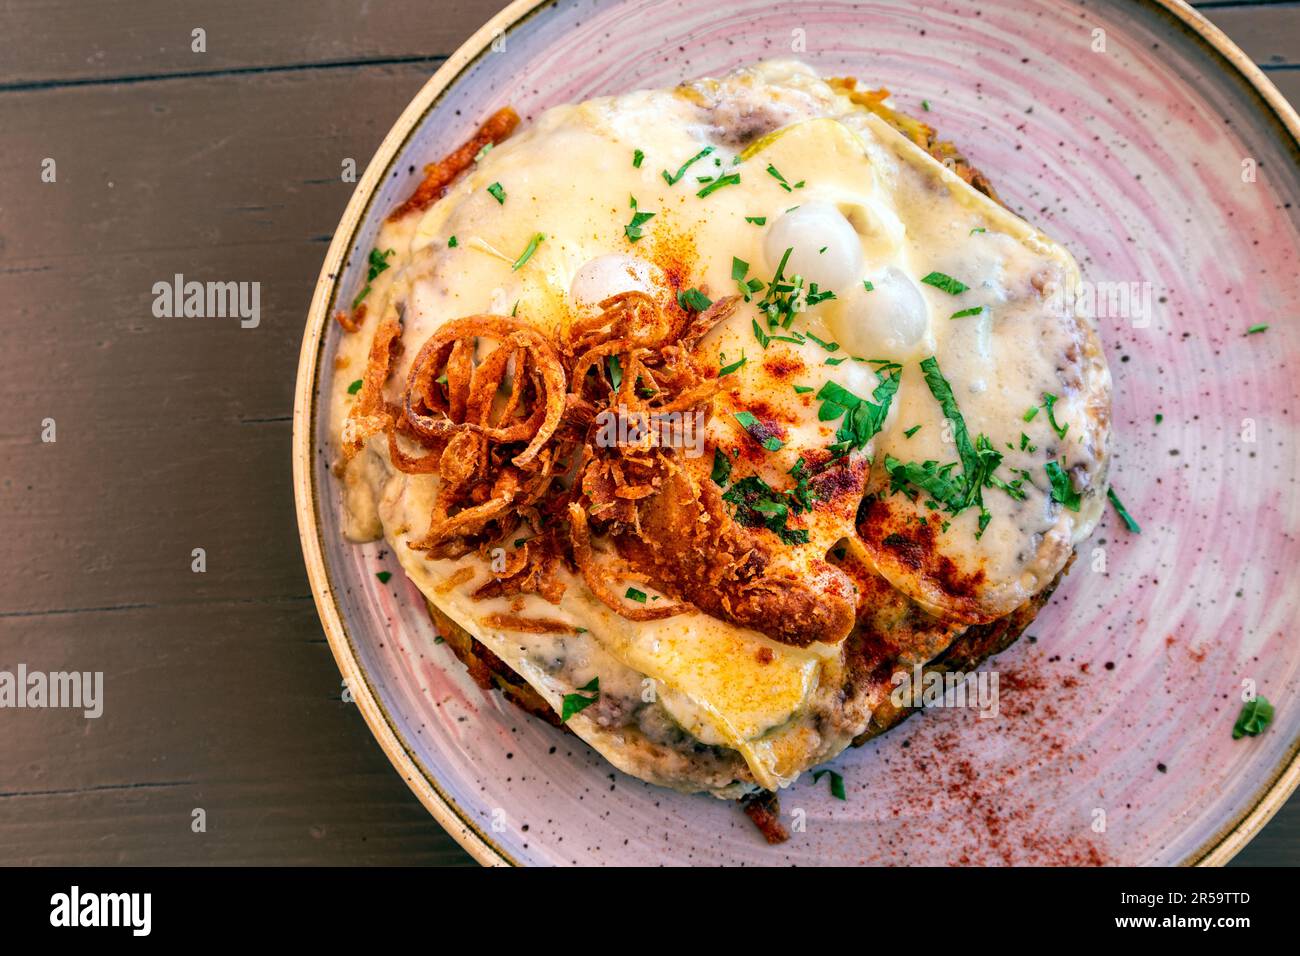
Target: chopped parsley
{"x":757,"y":431}
{"x":377,"y":263}
{"x":354,"y":387}
{"x":527,"y":254}
{"x":1254,"y":329}
{"x":1062,"y":486}
{"x":828,"y":346}
{"x":728,"y":369}
{"x":979,"y":462}
{"x":1049,"y":403}
{"x":786,"y":297}
{"x":633,"y":594}
{"x":728,"y":180}
{"x":452,"y":243}
{"x":945,"y":283}
{"x":763,"y":338}
{"x":802,"y":389}
{"x":672,"y":179}
{"x":964,"y":313}
{"x":1254,"y":718}
{"x":721,"y":473}
{"x":837,"y":782}
{"x":1123,"y":512}
{"x":757,"y":220}
{"x":866,"y":284}
{"x":1031,"y":413}
{"x":498,"y":193}
{"x":978,"y":229}
{"x":637,"y":157}
{"x":1026,"y":444}
{"x":633,"y":229}
{"x":739,"y":269}
{"x":925,"y":105}
{"x":1159,"y":418}
{"x":693,"y":300}
{"x":912,"y":431}
{"x":487,"y":148}
{"x":384,"y":576}
{"x":785,"y":184}
{"x":862,"y":419}
{"x":758,"y":505}
{"x":573,"y":703}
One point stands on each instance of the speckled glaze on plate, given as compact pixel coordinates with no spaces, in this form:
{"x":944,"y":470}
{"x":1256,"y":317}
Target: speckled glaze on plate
{"x":1159,"y":155}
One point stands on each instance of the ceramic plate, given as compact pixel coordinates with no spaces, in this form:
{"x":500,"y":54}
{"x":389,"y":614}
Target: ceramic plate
{"x":1135,"y":134}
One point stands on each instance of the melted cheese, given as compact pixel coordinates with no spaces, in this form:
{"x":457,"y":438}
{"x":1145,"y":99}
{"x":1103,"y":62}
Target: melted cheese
{"x":894,"y":216}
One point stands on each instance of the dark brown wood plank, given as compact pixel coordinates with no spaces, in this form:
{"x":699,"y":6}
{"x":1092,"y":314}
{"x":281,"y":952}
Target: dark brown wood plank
{"x":172,"y":433}
{"x":1268,"y":33}
{"x":49,"y":41}
{"x":230,"y":707}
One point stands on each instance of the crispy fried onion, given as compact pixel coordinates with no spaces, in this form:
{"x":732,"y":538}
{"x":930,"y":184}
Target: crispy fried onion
{"x":469,"y":411}
{"x":511,"y":423}
{"x":600,"y":575}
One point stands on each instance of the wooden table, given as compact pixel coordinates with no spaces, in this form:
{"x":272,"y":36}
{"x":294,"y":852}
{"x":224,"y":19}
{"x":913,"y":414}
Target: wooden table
{"x":172,"y":435}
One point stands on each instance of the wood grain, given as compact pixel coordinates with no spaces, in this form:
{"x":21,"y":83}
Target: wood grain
{"x":174,"y":433}
{"x":56,"y":41}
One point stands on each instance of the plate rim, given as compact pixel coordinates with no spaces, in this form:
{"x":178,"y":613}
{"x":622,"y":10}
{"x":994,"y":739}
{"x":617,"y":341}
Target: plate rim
{"x":1216,"y":851}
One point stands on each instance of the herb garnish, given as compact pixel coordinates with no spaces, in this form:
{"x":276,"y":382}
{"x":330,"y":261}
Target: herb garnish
{"x":1049,"y":403}
{"x":758,"y":505}
{"x":635,"y":594}
{"x":757,"y":220}
{"x":728,"y":180}
{"x":1123,"y":512}
{"x":378,"y":262}
{"x":533,"y":243}
{"x":633,"y":229}
{"x":973,"y":310}
{"x":837,"y":783}
{"x":728,"y":369}
{"x":693,"y":300}
{"x":721,"y":473}
{"x":862,"y":419}
{"x":672,"y":179}
{"x":946,"y":283}
{"x":498,"y":193}
{"x":979,"y":462}
{"x":637,"y":156}
{"x":452,"y":243}
{"x":384,"y":576}
{"x":573,"y":703}
{"x":1062,"y":486}
{"x":354,"y":387}
{"x":751,"y":424}
{"x":1261,"y":327}
{"x":1254,"y":718}
{"x":776,"y":173}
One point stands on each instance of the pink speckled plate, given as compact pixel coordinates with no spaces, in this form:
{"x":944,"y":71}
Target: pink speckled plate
{"x":1139,"y":137}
